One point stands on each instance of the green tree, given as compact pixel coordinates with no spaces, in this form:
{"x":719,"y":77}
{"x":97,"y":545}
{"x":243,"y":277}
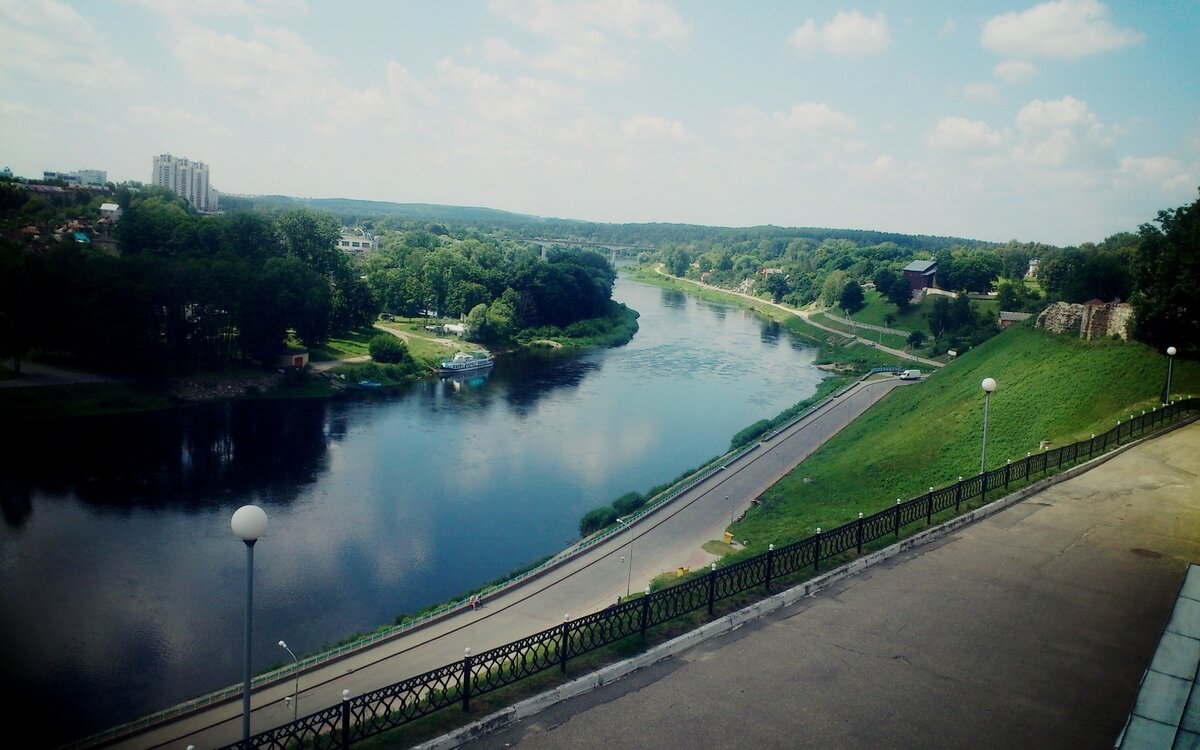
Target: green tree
{"x":1166,"y":270}
{"x":831,"y":290}
{"x":916,"y":339}
{"x":852,"y":299}
{"x":312,"y":237}
{"x":777,"y":285}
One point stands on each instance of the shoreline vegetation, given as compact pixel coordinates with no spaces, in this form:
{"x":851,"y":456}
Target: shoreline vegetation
{"x":335,"y":369}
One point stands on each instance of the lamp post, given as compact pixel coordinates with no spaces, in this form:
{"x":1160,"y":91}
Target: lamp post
{"x":296,"y":689}
{"x":988,"y":386}
{"x":249,"y":522}
{"x":629,"y":575}
{"x":730,"y":510}
{"x":1170,"y":361}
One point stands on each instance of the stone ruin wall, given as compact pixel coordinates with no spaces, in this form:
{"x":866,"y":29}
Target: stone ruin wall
{"x":1089,"y":321}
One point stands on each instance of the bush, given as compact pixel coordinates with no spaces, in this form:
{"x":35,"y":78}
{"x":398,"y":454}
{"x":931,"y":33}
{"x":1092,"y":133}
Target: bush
{"x":597,"y":519}
{"x":628,"y":503}
{"x":388,"y":349}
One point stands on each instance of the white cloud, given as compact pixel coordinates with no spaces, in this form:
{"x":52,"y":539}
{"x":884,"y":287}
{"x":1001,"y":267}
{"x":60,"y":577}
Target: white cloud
{"x":1160,"y":170}
{"x":655,"y":128}
{"x":847,"y":35}
{"x":582,"y":33}
{"x":1069,"y":29}
{"x":813,"y":117}
{"x":45,"y":40}
{"x":1062,"y":134}
{"x":1015,"y":71}
{"x":948,"y":28}
{"x":497,"y":50}
{"x":961,"y":134}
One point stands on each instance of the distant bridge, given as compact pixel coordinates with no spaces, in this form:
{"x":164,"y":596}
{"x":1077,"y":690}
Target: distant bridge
{"x":611,"y":246}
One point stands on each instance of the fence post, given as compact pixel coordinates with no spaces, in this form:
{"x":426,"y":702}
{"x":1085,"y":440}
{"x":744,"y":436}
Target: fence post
{"x":562,"y":664}
{"x":712,"y":587}
{"x":983,"y":487}
{"x":958,"y":495}
{"x":345,"y":718}
{"x":1092,"y":445}
{"x":929,"y":508}
{"x":1118,"y":433}
{"x":644,"y":619}
{"x":770,"y":564}
{"x":897,"y":518}
{"x":466,"y":679}
{"x":817,"y":550}
{"x":1007,"y":471}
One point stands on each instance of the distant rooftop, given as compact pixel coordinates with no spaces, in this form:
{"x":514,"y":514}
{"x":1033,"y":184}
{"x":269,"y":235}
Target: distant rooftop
{"x":920,"y":266}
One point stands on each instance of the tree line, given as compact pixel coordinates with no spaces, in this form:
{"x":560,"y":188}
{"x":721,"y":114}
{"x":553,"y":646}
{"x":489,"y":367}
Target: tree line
{"x":188,"y":292}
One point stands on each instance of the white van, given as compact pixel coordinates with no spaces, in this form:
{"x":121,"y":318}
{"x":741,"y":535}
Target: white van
{"x":910,"y":375}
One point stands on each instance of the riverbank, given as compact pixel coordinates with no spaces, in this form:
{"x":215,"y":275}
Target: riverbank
{"x":43,"y":391}
{"x":838,"y":351}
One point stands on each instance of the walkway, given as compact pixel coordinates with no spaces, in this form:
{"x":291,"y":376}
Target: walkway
{"x":663,"y":540}
{"x":1030,"y":628}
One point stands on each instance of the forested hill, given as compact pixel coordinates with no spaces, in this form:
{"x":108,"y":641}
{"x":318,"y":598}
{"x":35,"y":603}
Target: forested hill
{"x":354,"y":212}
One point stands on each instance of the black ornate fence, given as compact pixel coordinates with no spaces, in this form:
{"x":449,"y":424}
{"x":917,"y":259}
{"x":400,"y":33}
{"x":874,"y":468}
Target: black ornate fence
{"x":388,"y":708}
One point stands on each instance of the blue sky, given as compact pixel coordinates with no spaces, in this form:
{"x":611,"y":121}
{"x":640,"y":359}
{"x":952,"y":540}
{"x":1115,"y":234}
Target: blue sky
{"x":1060,"y":122}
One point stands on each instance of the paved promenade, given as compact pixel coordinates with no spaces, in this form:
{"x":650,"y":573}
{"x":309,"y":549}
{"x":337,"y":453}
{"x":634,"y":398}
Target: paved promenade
{"x":1028,"y":629}
{"x":663,"y":540}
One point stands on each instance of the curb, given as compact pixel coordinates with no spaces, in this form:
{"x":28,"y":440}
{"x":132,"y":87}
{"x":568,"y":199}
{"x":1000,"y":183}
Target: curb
{"x":531,"y":706}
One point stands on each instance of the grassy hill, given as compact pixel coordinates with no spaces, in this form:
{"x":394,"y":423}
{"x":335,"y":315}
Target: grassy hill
{"x":1050,"y":387}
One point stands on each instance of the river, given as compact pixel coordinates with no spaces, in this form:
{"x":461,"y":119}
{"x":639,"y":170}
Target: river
{"x":124,"y":585}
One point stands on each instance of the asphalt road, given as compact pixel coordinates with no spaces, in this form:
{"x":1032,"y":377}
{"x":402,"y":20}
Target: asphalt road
{"x":1028,"y":629}
{"x":662,"y":541}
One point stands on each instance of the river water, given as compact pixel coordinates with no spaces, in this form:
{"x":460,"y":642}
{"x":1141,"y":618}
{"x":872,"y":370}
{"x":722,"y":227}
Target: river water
{"x":124,"y":585}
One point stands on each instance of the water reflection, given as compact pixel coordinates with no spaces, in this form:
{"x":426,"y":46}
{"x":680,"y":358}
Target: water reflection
{"x":119,"y":560}
{"x":188,"y":459}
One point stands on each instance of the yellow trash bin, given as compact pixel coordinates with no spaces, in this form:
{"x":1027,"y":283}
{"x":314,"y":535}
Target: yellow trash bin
{"x":729,"y":537}
{"x":680,"y":571}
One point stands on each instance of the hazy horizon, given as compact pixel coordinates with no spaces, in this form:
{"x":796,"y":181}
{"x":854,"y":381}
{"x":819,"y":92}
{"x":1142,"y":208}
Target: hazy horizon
{"x":1060,"y":122}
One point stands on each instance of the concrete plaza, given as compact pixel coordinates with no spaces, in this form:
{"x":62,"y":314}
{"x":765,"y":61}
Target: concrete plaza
{"x":1028,"y":629}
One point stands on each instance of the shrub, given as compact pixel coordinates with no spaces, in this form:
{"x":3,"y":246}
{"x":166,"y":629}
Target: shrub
{"x":597,"y":519}
{"x":628,"y":503}
{"x":387,"y":349}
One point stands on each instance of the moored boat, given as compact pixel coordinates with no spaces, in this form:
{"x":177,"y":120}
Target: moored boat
{"x":466,"y":362}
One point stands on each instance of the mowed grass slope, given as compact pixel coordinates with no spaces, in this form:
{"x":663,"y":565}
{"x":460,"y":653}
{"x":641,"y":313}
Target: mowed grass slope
{"x":1050,"y":387}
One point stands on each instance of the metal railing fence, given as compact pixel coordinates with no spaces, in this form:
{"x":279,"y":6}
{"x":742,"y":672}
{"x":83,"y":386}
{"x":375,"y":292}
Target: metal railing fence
{"x":388,"y":708}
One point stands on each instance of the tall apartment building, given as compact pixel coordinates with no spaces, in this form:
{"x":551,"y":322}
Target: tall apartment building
{"x":187,"y":179}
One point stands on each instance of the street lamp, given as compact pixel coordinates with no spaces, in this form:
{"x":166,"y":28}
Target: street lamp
{"x":988,"y":386}
{"x":629,"y":575}
{"x":730,"y":510}
{"x":1170,"y":360}
{"x":249,"y":522}
{"x":296,"y":689}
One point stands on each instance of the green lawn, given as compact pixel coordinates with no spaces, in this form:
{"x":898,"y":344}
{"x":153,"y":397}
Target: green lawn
{"x":1051,"y":387}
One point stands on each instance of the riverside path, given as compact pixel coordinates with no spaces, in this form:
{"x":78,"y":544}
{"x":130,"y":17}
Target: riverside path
{"x":663,"y":540}
{"x":1030,"y":628}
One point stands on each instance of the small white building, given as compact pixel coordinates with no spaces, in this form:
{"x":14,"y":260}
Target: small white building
{"x":110,"y":211}
{"x":357,"y":242}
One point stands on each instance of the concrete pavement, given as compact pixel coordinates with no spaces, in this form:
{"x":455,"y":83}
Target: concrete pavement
{"x":1028,"y":629}
{"x":663,"y":540}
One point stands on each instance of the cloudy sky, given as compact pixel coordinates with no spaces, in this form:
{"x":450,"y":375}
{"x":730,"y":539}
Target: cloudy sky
{"x":1060,"y":122}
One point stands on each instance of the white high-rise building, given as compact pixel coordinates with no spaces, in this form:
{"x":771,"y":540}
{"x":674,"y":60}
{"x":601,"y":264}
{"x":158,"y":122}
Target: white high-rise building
{"x":187,"y":179}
